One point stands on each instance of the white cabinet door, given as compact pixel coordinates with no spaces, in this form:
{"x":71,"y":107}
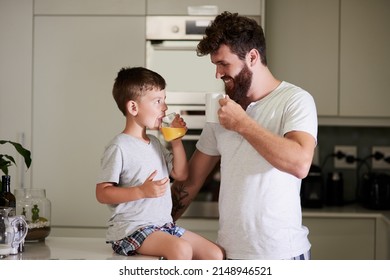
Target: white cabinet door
{"x":302,"y":47}
{"x":15,"y":83}
{"x":364,"y":58}
{"x":89,"y":7}
{"x":341,"y":238}
{"x":76,"y":59}
{"x":180,"y":7}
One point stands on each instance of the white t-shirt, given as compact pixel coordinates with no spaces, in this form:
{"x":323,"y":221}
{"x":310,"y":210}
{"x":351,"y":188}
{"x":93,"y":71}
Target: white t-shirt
{"x":128,"y":161}
{"x":259,"y":205}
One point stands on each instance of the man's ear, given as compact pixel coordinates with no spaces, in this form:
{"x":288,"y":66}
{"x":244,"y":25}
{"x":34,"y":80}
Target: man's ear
{"x":253,"y":57}
{"x":132,"y":108}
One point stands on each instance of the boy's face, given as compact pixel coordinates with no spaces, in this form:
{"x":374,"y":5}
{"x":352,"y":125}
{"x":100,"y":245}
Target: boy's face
{"x":151,"y":108}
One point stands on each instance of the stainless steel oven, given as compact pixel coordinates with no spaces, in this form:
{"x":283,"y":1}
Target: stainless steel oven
{"x":171,"y":43}
{"x":171,"y":51}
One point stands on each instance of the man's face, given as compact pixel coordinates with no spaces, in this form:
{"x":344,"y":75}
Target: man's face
{"x":234,"y":72}
{"x":239,"y":87}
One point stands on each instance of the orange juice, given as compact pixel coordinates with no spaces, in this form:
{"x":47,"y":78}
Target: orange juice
{"x":172,"y":133}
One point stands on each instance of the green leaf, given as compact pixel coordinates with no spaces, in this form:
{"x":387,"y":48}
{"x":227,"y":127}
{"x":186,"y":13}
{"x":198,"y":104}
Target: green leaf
{"x":21,"y":150}
{"x":10,"y":158}
{"x":4,"y":164}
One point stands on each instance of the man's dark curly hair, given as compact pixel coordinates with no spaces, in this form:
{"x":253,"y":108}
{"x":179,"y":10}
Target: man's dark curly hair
{"x":240,"y":33}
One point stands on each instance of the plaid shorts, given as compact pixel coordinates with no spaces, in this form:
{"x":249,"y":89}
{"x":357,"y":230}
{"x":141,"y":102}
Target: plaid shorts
{"x":305,"y":256}
{"x":128,"y":245}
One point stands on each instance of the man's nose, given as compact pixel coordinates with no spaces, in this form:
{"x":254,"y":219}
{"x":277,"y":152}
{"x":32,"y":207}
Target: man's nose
{"x":218,"y":73}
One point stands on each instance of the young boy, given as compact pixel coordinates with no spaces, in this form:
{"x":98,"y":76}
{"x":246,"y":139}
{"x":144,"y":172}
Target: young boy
{"x":134,"y":178}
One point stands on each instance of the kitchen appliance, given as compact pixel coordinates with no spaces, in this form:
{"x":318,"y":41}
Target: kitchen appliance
{"x":312,"y":190}
{"x":171,"y":43}
{"x":334,"y":191}
{"x":375,"y":191}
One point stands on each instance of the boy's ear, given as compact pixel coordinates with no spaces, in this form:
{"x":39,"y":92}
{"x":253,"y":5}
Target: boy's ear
{"x":132,"y":108}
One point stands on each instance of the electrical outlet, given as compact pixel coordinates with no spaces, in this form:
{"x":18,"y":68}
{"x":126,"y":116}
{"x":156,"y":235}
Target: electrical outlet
{"x":347,"y":151}
{"x":381,"y":163}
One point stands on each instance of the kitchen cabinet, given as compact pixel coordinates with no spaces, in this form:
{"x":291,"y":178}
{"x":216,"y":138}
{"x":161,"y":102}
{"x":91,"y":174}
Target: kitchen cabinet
{"x":89,"y":7}
{"x":331,"y":238}
{"x":364,"y":58}
{"x":179,"y":7}
{"x":302,"y":47}
{"x":15,"y":82}
{"x":338,"y":51}
{"x":76,"y":59}
{"x":341,"y":238}
{"x":336,"y":233}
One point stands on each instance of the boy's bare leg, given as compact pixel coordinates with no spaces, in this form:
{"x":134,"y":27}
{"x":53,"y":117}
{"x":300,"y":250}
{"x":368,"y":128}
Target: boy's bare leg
{"x":203,"y":249}
{"x":162,"y":244}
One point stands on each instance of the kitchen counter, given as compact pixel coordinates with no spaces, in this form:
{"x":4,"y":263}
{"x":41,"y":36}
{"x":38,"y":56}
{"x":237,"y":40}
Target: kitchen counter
{"x":95,"y":248}
{"x":203,"y":209}
{"x":72,"y":248}
{"x":346,"y":211}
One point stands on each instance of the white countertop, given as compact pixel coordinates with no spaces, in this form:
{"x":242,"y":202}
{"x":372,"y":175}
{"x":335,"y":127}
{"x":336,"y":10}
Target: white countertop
{"x":209,"y":210}
{"x":95,"y":248}
{"x":71,"y":248}
{"x":346,"y":211}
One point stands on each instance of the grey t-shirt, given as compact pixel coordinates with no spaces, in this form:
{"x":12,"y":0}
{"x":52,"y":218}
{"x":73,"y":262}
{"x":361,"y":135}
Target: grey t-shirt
{"x":127,"y":162}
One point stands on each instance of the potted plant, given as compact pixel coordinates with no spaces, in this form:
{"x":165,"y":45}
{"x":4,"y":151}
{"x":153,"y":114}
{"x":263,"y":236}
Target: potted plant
{"x":7,"y":160}
{"x":32,"y":203}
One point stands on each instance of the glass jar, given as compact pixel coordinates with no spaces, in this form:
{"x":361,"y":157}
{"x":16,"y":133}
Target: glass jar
{"x":33,"y":204}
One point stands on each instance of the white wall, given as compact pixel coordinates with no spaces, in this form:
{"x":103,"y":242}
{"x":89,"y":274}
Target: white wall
{"x":16,"y":23}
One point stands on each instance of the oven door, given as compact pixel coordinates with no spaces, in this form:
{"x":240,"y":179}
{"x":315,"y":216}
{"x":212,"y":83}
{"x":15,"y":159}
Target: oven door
{"x":210,"y":189}
{"x":205,"y":204}
{"x":193,"y":115}
{"x":188,"y":76}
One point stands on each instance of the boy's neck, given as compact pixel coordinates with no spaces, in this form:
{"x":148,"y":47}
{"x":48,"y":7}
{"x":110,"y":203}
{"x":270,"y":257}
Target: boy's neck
{"x":133,"y":129}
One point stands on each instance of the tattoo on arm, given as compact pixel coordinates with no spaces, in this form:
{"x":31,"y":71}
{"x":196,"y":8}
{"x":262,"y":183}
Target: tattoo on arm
{"x":179,"y":193}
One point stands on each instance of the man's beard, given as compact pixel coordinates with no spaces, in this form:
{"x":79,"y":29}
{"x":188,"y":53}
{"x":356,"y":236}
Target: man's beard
{"x":238,"y":88}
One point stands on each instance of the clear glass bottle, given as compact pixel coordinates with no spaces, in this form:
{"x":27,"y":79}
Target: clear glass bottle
{"x":34,"y":205}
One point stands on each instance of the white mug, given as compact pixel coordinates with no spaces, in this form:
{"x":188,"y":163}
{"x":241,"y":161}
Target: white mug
{"x":212,"y":106}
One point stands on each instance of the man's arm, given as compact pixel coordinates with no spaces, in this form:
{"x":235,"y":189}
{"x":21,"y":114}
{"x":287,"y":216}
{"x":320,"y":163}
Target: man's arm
{"x":291,"y":153}
{"x":183,"y":192}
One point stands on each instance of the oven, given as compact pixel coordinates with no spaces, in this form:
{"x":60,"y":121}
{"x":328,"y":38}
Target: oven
{"x":171,"y":51}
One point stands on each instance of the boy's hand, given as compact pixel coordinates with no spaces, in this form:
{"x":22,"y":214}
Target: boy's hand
{"x":152,"y":188}
{"x":179,"y":122}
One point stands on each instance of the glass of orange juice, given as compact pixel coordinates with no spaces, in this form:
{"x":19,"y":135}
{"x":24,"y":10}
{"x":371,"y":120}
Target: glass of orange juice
{"x":168,"y":130}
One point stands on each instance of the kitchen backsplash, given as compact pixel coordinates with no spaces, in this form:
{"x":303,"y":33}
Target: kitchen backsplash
{"x":361,"y":137}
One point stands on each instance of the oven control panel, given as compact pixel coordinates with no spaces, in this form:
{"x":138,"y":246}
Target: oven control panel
{"x":176,"y":27}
